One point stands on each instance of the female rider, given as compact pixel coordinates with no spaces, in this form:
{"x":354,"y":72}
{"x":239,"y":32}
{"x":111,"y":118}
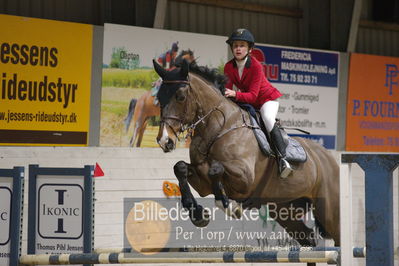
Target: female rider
{"x":247,"y":83}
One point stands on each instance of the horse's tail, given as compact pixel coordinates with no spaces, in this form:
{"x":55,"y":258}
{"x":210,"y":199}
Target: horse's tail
{"x":129,"y":116}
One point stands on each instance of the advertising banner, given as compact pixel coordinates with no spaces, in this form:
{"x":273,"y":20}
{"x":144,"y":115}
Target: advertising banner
{"x":129,"y":110}
{"x":11,"y":200}
{"x":59,"y":214}
{"x":153,"y":224}
{"x":308,"y":80}
{"x":61,"y":210}
{"x":372,"y":120}
{"x":5,"y":219}
{"x":45,"y":71}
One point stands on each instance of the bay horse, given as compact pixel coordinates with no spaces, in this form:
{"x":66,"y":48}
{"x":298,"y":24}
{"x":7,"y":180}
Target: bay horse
{"x":225,"y":158}
{"x":143,"y":108}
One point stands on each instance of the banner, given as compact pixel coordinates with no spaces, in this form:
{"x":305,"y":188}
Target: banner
{"x":45,"y":71}
{"x":372,"y":120}
{"x":129,"y":110}
{"x":154,"y":224}
{"x":308,"y":80}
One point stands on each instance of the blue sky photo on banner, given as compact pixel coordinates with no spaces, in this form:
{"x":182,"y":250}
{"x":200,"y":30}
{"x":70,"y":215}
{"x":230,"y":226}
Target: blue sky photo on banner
{"x":309,"y":81}
{"x":129,"y":114}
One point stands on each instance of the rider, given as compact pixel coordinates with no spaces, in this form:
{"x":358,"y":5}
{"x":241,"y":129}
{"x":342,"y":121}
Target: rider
{"x":247,"y":83}
{"x":167,"y":59}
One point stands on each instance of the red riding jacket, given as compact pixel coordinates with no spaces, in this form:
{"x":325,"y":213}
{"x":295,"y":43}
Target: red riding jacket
{"x":254,"y":87}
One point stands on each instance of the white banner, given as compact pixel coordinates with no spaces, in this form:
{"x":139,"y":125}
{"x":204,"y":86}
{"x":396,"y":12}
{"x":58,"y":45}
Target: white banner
{"x":59,"y":214}
{"x":309,"y":81}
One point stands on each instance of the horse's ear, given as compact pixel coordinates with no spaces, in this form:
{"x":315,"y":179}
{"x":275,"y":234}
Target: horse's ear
{"x":184,"y":68}
{"x":159,"y":69}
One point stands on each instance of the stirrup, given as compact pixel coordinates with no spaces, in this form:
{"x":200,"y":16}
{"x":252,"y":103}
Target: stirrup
{"x":284,"y":168}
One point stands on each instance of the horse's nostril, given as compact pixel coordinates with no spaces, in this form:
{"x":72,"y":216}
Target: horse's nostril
{"x":170,"y":145}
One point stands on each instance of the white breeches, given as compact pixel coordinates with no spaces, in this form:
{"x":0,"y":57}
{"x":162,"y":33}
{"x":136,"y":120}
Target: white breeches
{"x":268,"y":112}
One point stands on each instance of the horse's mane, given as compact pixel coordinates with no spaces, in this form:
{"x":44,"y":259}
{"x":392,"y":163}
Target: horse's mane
{"x":210,"y":74}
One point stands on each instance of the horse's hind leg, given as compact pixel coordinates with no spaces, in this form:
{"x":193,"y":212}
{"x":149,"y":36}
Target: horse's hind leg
{"x":231,"y":207}
{"x":293,"y":224}
{"x":215,"y":173}
{"x":141,"y":133}
{"x":327,"y":217}
{"x":136,"y":126}
{"x":198,"y":215}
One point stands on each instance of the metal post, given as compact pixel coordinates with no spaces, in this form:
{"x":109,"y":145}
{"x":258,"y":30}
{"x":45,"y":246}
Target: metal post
{"x":378,"y":170}
{"x":160,"y":13}
{"x":357,"y":8}
{"x":345,"y":202}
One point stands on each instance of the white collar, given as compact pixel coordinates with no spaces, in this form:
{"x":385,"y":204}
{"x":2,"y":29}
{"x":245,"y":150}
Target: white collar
{"x":241,"y":63}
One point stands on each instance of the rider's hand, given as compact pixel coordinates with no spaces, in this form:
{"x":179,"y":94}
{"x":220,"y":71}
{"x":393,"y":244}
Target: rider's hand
{"x":230,"y":93}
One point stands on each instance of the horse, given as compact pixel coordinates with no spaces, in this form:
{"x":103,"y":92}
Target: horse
{"x":226,"y":161}
{"x":143,"y":108}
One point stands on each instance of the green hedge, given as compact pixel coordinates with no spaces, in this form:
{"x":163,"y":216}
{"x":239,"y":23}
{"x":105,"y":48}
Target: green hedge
{"x":138,"y":78}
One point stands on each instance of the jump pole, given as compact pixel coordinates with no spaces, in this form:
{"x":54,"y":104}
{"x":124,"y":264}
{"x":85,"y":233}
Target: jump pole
{"x":358,"y":252}
{"x":330,"y":257}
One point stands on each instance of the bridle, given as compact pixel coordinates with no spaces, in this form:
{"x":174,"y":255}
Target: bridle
{"x":183,"y":125}
{"x":164,"y":119}
{"x":191,"y":127}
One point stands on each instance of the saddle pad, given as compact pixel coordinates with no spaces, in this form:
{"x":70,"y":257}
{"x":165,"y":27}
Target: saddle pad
{"x":295,"y":153}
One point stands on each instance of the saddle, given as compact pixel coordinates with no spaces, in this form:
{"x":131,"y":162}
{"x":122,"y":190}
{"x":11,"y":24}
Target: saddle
{"x":295,"y":153}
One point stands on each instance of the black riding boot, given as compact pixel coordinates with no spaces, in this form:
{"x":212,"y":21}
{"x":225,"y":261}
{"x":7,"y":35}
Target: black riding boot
{"x":279,"y":146}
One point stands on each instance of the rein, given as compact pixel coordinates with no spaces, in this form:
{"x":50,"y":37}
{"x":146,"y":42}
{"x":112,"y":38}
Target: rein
{"x":224,"y":132}
{"x":191,"y":127}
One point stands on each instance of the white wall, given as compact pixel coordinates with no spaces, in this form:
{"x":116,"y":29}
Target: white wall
{"x":140,"y":172}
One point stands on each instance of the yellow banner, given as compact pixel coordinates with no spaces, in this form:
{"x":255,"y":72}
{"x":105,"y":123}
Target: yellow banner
{"x":45,"y":69}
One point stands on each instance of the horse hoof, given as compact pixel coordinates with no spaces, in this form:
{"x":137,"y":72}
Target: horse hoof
{"x":200,"y":217}
{"x":238,"y":212}
{"x":234,"y":210}
{"x":200,"y":223}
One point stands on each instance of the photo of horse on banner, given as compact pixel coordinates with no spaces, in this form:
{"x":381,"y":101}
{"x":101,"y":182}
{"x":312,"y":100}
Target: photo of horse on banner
{"x":129,"y":109}
{"x":147,"y":106}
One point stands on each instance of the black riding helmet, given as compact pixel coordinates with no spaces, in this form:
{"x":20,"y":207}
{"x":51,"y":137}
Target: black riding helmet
{"x":175,"y":46}
{"x":241,"y":35}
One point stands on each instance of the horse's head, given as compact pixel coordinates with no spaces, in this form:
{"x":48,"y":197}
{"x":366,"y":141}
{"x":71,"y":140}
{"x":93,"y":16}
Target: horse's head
{"x":176,"y":110}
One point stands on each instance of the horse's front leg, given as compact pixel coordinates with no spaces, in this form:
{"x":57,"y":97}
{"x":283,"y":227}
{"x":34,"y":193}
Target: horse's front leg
{"x":231,"y":207}
{"x":198,"y":215}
